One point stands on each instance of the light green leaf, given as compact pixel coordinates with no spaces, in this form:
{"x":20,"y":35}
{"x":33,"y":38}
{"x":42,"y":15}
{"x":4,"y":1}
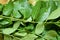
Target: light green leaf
{"x":36,"y":10}
{"x":39,"y":28}
{"x":51,"y":35}
{"x":29,"y":19}
{"x":44,"y":13}
{"x":23,"y":7}
{"x":57,"y":23}
{"x":8,"y":9}
{"x":20,"y":34}
{"x":16,"y":38}
{"x":16,"y":14}
{"x":29,"y":37}
{"x":11,"y":30}
{"x":5,"y":22}
{"x":40,"y":39}
{"x":55,"y":14}
{"x":58,"y":37}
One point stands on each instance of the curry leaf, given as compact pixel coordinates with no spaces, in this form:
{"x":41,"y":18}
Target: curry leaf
{"x":11,"y":30}
{"x":55,"y":14}
{"x":29,"y":37}
{"x":36,"y":10}
{"x":39,"y":28}
{"x":8,"y":9}
{"x":16,"y":14}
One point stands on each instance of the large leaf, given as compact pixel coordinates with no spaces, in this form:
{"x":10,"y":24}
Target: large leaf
{"x":11,"y":30}
{"x":24,"y":7}
{"x":39,"y":28}
{"x":55,"y":14}
{"x":44,"y":13}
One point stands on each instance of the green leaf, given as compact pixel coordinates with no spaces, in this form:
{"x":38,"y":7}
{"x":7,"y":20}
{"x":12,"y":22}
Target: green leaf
{"x":39,"y":28}
{"x":51,"y":35}
{"x":1,"y":6}
{"x":16,"y":14}
{"x":5,"y":22}
{"x":57,"y":23}
{"x":16,"y":38}
{"x":40,"y":39}
{"x":55,"y":14}
{"x":29,"y":37}
{"x":6,"y":37}
{"x":20,"y":34}
{"x":23,"y":7}
{"x":58,"y":37}
{"x":36,"y":10}
{"x":11,"y":30}
{"x":29,"y":27}
{"x":29,"y":19}
{"x":8,"y":9}
{"x":44,"y":13}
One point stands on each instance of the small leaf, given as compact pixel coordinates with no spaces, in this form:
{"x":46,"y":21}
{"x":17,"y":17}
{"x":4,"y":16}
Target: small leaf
{"x":11,"y":30}
{"x":16,"y":14}
{"x":8,"y":9}
{"x":20,"y":34}
{"x":29,"y":19}
{"x":29,"y":27}
{"x":55,"y":14}
{"x":36,"y":10}
{"x":23,"y":7}
{"x":57,"y":23}
{"x":39,"y":28}
{"x":5,"y":22}
{"x":29,"y":37}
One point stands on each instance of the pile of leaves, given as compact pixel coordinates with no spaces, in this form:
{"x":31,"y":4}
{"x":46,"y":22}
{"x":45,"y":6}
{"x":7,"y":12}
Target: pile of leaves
{"x":30,"y":20}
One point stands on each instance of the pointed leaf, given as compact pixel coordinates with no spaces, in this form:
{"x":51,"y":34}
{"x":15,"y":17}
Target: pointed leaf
{"x":55,"y":14}
{"x":39,"y":28}
{"x":7,"y":9}
{"x":11,"y":30}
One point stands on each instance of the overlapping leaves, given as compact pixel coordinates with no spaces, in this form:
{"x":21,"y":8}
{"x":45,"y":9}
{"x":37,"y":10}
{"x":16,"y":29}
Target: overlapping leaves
{"x":20,"y":20}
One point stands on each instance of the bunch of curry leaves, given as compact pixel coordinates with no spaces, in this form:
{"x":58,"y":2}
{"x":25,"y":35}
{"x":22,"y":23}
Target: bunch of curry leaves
{"x":21,"y":20}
